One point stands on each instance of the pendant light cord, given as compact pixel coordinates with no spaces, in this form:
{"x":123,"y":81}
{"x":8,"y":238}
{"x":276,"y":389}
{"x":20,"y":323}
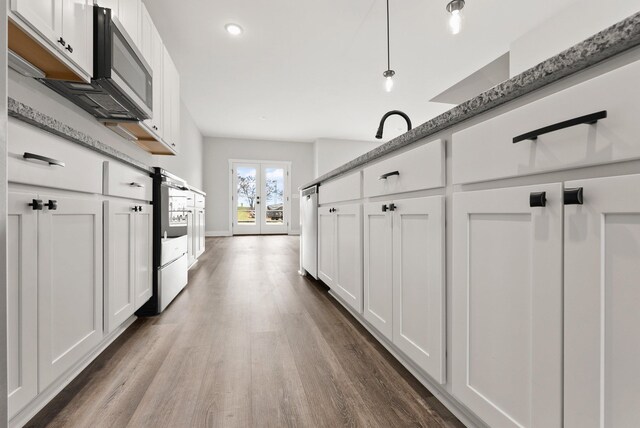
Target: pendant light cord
{"x":388,"y":44}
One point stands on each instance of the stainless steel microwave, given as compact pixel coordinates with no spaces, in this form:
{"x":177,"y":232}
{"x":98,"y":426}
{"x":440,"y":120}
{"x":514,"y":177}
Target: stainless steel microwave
{"x":121,"y":89}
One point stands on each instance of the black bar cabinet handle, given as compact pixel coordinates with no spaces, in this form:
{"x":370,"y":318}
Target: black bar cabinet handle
{"x":50,"y":161}
{"x":134,"y":184}
{"x":589,"y":119}
{"x":52,"y":205}
{"x":388,"y":174}
{"x":574,"y":196}
{"x":538,"y":199}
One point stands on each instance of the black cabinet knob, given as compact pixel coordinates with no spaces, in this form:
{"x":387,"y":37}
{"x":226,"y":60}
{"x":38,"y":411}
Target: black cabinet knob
{"x":69,"y":48}
{"x":140,"y":208}
{"x":135,"y":208}
{"x":62,"y":42}
{"x":538,"y":199}
{"x":52,"y":205}
{"x":574,"y":196}
{"x":385,"y":208}
{"x":392,"y":207}
{"x":36,"y":205}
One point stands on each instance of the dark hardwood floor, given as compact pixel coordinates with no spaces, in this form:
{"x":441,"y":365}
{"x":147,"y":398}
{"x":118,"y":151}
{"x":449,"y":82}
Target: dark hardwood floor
{"x":248,"y":343}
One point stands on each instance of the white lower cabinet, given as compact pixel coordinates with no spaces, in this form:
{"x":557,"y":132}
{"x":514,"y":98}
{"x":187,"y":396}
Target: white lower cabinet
{"x":119,"y":292}
{"x":326,"y":244}
{"x":199,"y":231}
{"x":602,"y":301}
{"x":128,"y":259}
{"x":404,"y":277}
{"x":69,"y":283}
{"x":143,"y":253}
{"x":191,"y":237}
{"x":22,"y":301}
{"x":340,"y":240}
{"x":507,"y":305}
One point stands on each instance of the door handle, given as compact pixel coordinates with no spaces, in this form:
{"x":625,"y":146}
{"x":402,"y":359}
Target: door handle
{"x":538,"y":199}
{"x":388,"y":174}
{"x":50,"y":161}
{"x":52,"y":205}
{"x":574,"y":196}
{"x":36,"y":205}
{"x":589,"y":119}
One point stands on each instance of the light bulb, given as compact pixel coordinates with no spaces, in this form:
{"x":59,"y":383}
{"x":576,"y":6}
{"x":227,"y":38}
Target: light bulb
{"x":455,"y":21}
{"x":388,"y":83}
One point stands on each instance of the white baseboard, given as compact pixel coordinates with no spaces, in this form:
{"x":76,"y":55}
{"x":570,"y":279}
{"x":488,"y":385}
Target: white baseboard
{"x":467,"y":418}
{"x":52,"y":390}
{"x":211,"y":233}
{"x":294,"y":232}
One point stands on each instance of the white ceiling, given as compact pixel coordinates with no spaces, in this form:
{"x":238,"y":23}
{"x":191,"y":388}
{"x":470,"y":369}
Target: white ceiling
{"x":304,"y":70}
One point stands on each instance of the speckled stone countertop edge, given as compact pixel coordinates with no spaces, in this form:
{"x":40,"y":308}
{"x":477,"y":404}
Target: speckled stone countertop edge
{"x":610,"y":42}
{"x":40,"y":120}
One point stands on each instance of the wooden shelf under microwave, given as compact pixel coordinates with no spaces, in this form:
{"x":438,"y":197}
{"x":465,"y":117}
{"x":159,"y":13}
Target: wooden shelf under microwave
{"x":137,"y":133}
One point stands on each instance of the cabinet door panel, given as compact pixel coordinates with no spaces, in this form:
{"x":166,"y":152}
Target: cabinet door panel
{"x":22,"y":301}
{"x":129,"y":15}
{"x":119,"y":263}
{"x":602,"y":297}
{"x":507,"y":306}
{"x":191,"y":236}
{"x":143,"y":255}
{"x":77,"y":30}
{"x":418,"y":282}
{"x":348,"y":254}
{"x":326,"y":245}
{"x":378,"y":262}
{"x":44,"y":16}
{"x":70,"y":284}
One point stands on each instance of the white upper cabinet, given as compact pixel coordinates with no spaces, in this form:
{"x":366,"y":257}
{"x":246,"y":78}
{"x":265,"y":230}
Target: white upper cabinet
{"x":602,"y":297}
{"x":153,"y":52}
{"x":77,"y":31}
{"x":507,"y":306}
{"x":22,"y":301}
{"x":146,"y":34}
{"x":66,"y":26}
{"x":170,"y":102}
{"x":130,"y":16}
{"x":44,"y":16}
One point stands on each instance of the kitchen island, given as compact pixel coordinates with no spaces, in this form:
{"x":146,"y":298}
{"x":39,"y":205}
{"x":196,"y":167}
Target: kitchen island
{"x":494,"y":249}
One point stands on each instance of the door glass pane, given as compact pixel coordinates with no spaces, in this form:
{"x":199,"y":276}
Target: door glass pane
{"x":274,"y":191}
{"x":246,"y":194}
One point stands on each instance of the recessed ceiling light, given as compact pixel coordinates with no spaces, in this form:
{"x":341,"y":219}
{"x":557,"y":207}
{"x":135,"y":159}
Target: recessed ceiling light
{"x":233,"y":29}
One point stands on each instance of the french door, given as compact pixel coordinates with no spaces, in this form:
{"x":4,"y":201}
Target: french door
{"x":260,"y":193}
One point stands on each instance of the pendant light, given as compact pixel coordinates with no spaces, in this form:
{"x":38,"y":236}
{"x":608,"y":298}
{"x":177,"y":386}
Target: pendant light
{"x":389,"y":73}
{"x":455,"y":20}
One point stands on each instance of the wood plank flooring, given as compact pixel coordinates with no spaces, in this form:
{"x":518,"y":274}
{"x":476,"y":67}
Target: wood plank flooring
{"x":248,"y":343}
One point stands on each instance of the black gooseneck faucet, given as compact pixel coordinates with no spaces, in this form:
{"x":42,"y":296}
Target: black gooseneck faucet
{"x":391,"y":113}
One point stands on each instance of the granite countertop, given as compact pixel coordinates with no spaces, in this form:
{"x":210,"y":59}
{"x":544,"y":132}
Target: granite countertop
{"x":605,"y":44}
{"x":38,"y":119}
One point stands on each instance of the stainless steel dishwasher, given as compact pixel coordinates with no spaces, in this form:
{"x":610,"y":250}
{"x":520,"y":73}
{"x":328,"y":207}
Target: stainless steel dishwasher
{"x":309,"y":232}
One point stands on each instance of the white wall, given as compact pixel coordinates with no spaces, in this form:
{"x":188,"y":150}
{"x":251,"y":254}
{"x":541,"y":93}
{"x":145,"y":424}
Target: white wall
{"x":579,"y":21}
{"x":218,"y":151}
{"x":330,"y":154}
{"x":187,"y":164}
